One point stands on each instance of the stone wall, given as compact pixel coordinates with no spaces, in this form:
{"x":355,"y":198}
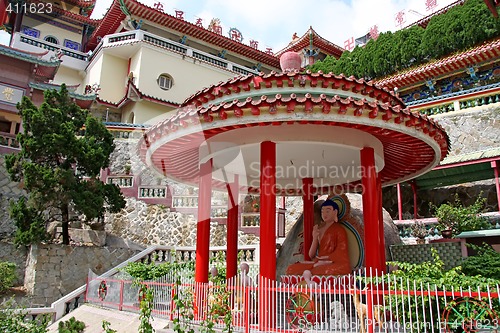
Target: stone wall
{"x":55,"y":270}
{"x":473,"y":129}
{"x":469,"y":131}
{"x":16,"y":255}
{"x":8,"y":190}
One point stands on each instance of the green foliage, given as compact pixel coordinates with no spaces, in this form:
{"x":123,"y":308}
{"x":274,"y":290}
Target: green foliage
{"x":106,"y":326}
{"x":71,"y":326}
{"x":485,"y":263}
{"x":431,"y":275}
{"x":146,"y":272}
{"x":458,"y":218}
{"x":146,"y":309}
{"x":7,"y":275}
{"x":185,"y":306}
{"x":59,"y":166}
{"x":419,"y":230}
{"x":30,"y":224}
{"x":460,"y":28}
{"x":13,"y":321}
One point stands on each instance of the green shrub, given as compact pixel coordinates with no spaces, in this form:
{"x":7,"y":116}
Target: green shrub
{"x":458,"y":218}
{"x":14,"y":321}
{"x":7,"y":275}
{"x":485,"y":263}
{"x":71,"y":326}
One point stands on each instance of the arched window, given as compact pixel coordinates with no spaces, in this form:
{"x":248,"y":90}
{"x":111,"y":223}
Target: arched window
{"x":165,"y":81}
{"x":51,"y":39}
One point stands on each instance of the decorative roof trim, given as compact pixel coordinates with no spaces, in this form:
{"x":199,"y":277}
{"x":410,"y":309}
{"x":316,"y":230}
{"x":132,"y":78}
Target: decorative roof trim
{"x":317,"y":41}
{"x":476,"y":55}
{"x":126,"y":99}
{"x":308,"y":79}
{"x":31,"y":57}
{"x":115,"y":16}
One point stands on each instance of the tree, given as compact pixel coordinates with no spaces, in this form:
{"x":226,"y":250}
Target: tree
{"x":59,"y":165}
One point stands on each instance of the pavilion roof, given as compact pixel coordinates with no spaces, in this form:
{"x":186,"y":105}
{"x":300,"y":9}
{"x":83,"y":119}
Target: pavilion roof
{"x":45,"y":69}
{"x":488,"y":51}
{"x":70,"y":15}
{"x":115,"y":16}
{"x":412,"y":143}
{"x":135,"y":94}
{"x":304,"y":42}
{"x":83,"y":101}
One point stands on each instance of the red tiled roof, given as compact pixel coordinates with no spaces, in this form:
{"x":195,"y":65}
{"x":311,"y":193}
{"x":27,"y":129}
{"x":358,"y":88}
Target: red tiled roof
{"x":125,"y":99}
{"x":329,"y":81}
{"x":71,"y":15}
{"x":114,"y":16}
{"x":479,"y":54}
{"x":318,"y":42}
{"x":406,"y":136}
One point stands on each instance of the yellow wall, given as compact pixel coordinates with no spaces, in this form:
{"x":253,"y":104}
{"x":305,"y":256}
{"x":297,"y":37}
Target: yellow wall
{"x":51,"y":30}
{"x":188,"y":77}
{"x":146,"y":111}
{"x":110,"y":73}
{"x":68,"y":76}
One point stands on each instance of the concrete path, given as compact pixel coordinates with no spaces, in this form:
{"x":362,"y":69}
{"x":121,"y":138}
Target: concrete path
{"x":121,"y":321}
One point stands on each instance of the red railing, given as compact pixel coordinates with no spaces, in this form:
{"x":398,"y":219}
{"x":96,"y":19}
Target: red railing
{"x":334,"y":304}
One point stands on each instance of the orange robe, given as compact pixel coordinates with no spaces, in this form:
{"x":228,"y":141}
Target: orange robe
{"x":333,"y":245}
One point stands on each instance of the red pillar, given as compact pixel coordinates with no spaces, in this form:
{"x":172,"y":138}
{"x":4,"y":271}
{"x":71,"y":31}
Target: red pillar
{"x":370,"y":205}
{"x":267,"y":235}
{"x":308,"y":217}
{"x":381,"y":233}
{"x":203,"y":226}
{"x":496,"y":166}
{"x":415,"y":203}
{"x":232,"y":229}
{"x":400,"y":202}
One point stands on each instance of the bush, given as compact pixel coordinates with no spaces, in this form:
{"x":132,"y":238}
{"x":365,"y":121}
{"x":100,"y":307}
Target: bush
{"x":13,"y":321}
{"x":7,"y":275}
{"x":71,"y":326}
{"x":458,"y":218}
{"x":485,"y":263}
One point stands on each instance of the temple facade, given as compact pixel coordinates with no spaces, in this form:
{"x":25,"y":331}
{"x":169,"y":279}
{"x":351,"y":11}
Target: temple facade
{"x":139,"y":64}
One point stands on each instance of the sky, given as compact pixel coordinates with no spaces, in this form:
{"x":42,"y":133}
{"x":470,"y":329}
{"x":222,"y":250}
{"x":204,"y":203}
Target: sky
{"x":272,"y":23}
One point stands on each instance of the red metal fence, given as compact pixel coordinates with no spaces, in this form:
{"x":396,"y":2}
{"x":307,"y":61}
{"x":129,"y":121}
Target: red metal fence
{"x":333,"y":304}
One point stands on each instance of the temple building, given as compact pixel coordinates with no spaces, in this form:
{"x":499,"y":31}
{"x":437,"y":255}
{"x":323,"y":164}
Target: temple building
{"x":139,"y":64}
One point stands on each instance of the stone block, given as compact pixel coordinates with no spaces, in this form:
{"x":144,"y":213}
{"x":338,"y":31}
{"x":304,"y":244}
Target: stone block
{"x":95,"y":237}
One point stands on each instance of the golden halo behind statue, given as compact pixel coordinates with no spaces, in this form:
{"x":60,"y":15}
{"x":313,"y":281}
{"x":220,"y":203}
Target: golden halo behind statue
{"x":344,"y":206}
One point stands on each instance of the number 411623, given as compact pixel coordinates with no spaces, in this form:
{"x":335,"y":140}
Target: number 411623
{"x":29,"y":8}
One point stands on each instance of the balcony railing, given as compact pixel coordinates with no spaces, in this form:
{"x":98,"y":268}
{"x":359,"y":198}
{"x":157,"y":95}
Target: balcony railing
{"x":477,"y":96}
{"x":140,"y":35}
{"x":121,"y":181}
{"x":8,"y":140}
{"x":53,"y":47}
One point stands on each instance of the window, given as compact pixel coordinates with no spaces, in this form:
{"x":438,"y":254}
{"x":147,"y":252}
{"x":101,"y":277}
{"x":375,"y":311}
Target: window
{"x":165,"y":81}
{"x":51,"y":39}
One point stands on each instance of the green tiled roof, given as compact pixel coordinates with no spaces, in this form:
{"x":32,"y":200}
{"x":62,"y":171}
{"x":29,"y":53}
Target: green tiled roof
{"x":26,"y":56}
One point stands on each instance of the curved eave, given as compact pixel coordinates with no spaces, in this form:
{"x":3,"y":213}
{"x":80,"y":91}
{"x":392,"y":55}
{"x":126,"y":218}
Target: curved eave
{"x":477,"y":55}
{"x":413,"y":143}
{"x":139,"y":10}
{"x":308,"y":82}
{"x":318,"y":42}
{"x":70,"y":15}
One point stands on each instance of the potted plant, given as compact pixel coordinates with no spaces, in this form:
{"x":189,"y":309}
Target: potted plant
{"x":419,"y":230}
{"x":454,"y":218}
{"x":127,"y":168}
